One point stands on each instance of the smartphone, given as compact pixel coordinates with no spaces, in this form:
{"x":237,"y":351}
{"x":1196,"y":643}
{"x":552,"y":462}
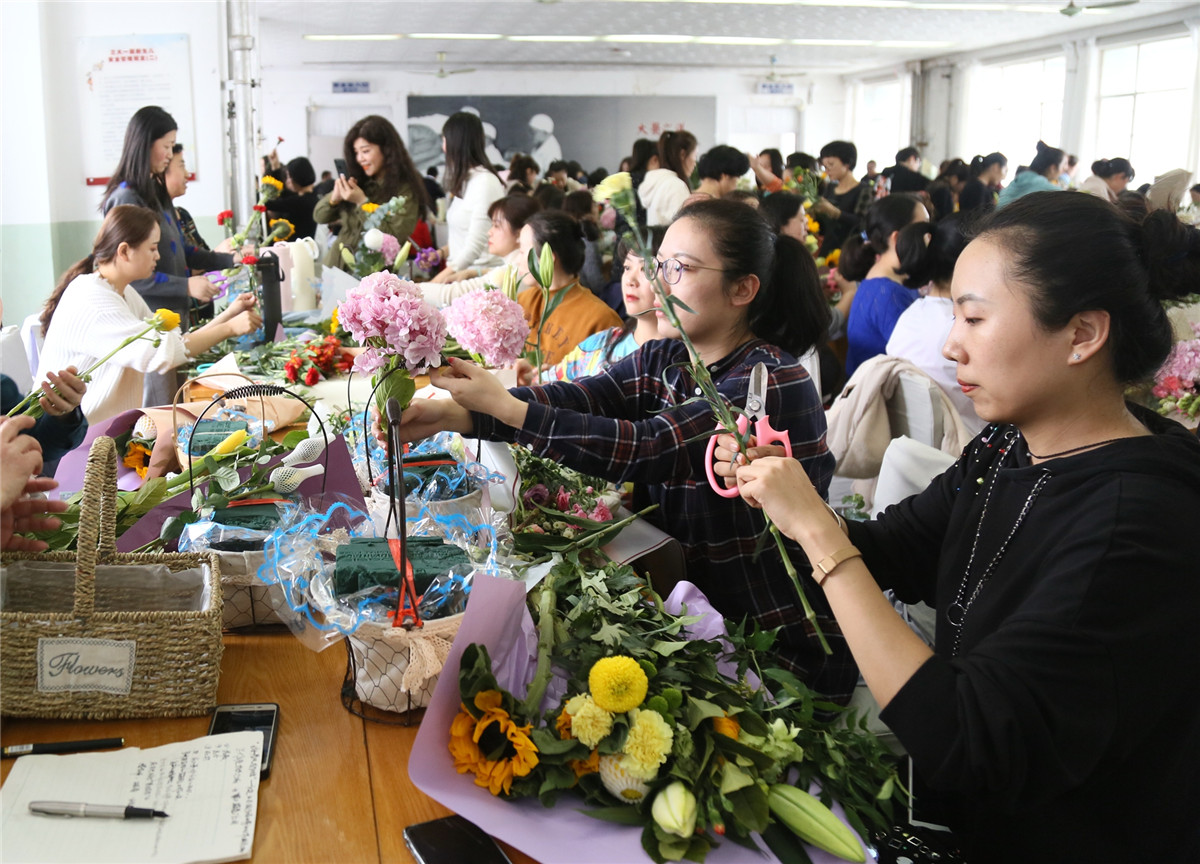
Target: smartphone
{"x":339,"y":165}
{"x":452,"y":840}
{"x":263,"y":716}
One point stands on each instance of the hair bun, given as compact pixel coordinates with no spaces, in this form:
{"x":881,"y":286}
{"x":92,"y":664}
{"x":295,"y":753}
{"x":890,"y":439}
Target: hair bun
{"x":1172,"y":255}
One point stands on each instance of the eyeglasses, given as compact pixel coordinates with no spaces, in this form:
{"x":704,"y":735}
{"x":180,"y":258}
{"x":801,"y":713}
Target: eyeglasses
{"x":672,"y":269}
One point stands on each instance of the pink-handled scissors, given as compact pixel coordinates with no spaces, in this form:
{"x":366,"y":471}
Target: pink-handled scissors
{"x":756,"y":410}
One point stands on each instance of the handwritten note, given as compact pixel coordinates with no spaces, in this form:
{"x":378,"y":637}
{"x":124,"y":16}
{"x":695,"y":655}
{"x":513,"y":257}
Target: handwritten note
{"x":209,"y":788}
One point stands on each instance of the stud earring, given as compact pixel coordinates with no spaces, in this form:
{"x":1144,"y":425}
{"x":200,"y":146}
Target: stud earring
{"x":1077,"y":357}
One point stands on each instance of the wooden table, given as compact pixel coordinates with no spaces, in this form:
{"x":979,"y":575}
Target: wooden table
{"x":339,"y":787}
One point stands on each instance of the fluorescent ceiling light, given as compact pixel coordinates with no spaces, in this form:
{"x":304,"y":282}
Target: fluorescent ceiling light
{"x":562,"y":38}
{"x":660,"y":38}
{"x":454,"y":36}
{"x":351,"y":37}
{"x":903,"y":43}
{"x":737,"y":40}
{"x":964,"y":7}
{"x":835,"y":43}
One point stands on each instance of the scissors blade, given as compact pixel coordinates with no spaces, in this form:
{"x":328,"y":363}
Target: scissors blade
{"x":756,"y":393}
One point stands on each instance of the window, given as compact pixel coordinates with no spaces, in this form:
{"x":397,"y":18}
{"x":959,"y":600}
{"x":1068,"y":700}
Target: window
{"x":881,"y":122}
{"x":1145,"y":105}
{"x":1013,"y":106}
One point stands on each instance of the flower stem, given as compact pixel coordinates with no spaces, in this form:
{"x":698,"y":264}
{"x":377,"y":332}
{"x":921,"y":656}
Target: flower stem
{"x":547,"y":601}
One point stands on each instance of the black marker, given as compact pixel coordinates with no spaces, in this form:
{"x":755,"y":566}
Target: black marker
{"x":101,"y":811}
{"x":63,"y":746}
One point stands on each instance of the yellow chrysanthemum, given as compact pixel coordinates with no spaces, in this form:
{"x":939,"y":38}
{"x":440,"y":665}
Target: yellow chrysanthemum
{"x":333,"y":320}
{"x":618,"y":684}
{"x":369,"y":207}
{"x":164,"y":320}
{"x":727,"y":726}
{"x":589,"y":722}
{"x":611,"y":185}
{"x":519,"y":754}
{"x":648,"y":744}
{"x":268,"y":180}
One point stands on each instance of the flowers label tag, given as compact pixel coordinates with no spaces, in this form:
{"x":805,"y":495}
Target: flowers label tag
{"x":104,"y":665}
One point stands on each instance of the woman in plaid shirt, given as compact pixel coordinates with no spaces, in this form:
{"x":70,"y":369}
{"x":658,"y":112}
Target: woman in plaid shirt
{"x":754,"y":298}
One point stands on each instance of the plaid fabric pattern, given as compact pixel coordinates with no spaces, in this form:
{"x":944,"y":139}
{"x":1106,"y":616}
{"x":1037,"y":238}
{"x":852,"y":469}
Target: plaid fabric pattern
{"x":632,"y":422}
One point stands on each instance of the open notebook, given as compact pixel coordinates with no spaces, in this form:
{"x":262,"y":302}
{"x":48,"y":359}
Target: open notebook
{"x":208,"y":787}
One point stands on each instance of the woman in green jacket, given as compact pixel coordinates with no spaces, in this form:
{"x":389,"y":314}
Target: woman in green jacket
{"x":380,"y":169}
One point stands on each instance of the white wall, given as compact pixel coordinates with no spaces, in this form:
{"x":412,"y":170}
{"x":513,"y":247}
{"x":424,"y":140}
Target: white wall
{"x":289,"y":92}
{"x":64,"y":24}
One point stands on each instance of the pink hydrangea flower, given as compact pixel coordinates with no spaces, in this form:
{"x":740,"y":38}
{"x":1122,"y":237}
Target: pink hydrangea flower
{"x":389,"y":250}
{"x":388,"y":315}
{"x":487,"y":323}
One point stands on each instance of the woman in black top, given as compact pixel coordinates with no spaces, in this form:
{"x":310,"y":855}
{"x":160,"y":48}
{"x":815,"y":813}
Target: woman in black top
{"x":297,"y":202}
{"x":979,"y":193}
{"x":837,"y":212}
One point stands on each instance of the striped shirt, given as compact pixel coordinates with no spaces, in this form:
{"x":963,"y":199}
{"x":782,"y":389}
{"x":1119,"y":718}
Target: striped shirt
{"x":630,"y":423}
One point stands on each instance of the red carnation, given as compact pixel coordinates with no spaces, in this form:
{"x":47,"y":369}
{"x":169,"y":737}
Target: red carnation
{"x":250,"y":260}
{"x":312,"y":376}
{"x":224,"y":216}
{"x":260,"y":208}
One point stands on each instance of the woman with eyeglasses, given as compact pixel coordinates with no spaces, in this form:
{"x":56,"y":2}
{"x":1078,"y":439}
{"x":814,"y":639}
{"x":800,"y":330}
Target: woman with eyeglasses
{"x":751,"y":298}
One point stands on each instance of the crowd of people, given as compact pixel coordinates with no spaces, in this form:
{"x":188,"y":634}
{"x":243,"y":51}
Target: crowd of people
{"x":1059,"y":672}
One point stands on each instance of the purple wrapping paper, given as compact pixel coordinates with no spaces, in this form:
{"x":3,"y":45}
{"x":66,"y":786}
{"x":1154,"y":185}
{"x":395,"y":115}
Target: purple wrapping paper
{"x":72,"y":466}
{"x":342,"y":484}
{"x":496,"y":617}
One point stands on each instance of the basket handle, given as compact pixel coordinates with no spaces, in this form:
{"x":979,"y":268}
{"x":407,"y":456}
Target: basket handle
{"x":97,"y":522}
{"x":189,"y":382}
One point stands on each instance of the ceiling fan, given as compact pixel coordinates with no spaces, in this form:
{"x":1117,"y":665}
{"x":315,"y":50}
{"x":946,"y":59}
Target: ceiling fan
{"x":773,"y":75}
{"x":1071,"y":10}
{"x":441,"y":71}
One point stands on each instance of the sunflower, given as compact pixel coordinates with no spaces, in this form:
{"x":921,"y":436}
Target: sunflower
{"x":727,"y":726}
{"x":137,"y":457}
{"x":618,"y":684}
{"x":492,"y":747}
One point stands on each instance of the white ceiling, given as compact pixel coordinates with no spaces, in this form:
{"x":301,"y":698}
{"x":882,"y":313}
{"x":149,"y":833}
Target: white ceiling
{"x":879,"y":33}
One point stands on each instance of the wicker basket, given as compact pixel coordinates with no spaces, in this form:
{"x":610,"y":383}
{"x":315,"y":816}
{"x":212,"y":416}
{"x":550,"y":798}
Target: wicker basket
{"x":174,"y":657}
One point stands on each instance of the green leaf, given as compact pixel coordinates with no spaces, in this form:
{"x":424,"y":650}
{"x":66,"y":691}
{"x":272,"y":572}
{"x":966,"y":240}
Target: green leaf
{"x":172,"y":528}
{"x":699,"y":710}
{"x":291,"y":439}
{"x":786,"y":846}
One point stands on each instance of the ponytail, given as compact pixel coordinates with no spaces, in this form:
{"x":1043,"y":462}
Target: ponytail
{"x":79,"y":268}
{"x":979,"y":164}
{"x":790,"y":310}
{"x":672,"y":148}
{"x":1047,"y":157}
{"x":887,"y":216}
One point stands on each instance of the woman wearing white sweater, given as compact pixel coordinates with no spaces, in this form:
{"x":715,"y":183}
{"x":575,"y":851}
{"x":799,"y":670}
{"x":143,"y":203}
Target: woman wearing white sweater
{"x":91,"y":312}
{"x":473,"y":186}
{"x":508,"y":216}
{"x":663,"y":190}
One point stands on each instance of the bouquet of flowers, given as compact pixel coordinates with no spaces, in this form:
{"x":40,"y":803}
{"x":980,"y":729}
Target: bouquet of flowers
{"x":1177,"y":383}
{"x":316,"y":360}
{"x":162,"y":321}
{"x":428,"y":261}
{"x":557,"y":506}
{"x":401,"y":333}
{"x":684,"y":734}
{"x":376,"y":250}
{"x":268,"y":189}
{"x":489,"y":326}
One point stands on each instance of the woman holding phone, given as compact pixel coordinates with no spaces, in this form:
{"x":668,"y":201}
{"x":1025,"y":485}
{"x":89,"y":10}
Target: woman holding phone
{"x":379,"y":168}
{"x":1062,"y":676}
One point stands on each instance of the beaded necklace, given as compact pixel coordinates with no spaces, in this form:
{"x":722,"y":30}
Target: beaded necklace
{"x":956,"y":613}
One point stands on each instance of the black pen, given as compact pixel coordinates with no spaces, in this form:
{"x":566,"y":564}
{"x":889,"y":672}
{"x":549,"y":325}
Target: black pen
{"x":63,"y":746}
{"x":102,"y":811}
